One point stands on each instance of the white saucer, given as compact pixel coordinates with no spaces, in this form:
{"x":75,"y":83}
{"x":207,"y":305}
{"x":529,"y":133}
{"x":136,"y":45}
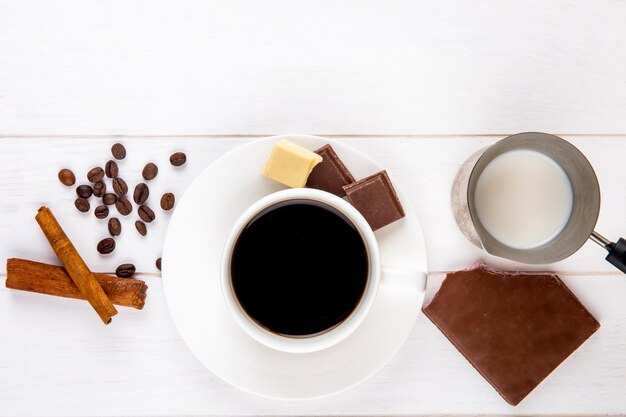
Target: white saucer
{"x":191,"y":266}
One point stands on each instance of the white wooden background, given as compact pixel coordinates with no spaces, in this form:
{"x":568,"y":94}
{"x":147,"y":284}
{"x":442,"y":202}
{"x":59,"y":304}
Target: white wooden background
{"x":418,"y":85}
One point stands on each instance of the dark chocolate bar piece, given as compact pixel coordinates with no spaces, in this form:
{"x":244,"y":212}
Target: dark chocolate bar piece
{"x":514,"y":328}
{"x":376,"y":199}
{"x":331,"y":174}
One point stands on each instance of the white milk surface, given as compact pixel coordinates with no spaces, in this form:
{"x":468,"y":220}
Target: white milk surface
{"x":523,"y":198}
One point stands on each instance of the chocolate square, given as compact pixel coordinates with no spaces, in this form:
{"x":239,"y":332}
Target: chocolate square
{"x":514,"y":328}
{"x":376,"y":199}
{"x":331,"y":174}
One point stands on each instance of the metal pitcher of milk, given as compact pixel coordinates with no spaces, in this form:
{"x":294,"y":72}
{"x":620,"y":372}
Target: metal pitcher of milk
{"x":532,"y":198}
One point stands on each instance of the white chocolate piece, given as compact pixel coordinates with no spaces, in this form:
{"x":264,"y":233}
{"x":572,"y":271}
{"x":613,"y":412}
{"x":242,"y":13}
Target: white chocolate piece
{"x":290,"y":164}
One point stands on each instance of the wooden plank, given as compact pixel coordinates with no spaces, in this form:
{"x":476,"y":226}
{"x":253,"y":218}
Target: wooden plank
{"x":142,"y":364}
{"x":55,"y":360}
{"x":424,"y":167}
{"x":197,"y":67}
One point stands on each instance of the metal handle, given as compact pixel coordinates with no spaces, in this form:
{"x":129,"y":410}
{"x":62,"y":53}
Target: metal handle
{"x":617,"y":250}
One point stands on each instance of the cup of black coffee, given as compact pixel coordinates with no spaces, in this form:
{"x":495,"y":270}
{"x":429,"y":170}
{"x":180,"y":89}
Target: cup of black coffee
{"x":301,"y":270}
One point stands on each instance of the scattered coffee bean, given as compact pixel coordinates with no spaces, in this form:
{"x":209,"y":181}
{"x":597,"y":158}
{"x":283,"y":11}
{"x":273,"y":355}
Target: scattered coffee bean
{"x":150,"y":171}
{"x":82,"y":204}
{"x":178,"y":159}
{"x":109,"y":199}
{"x":141,"y":193}
{"x":106,"y":246}
{"x":84,"y":191}
{"x":111,"y":169}
{"x":141,"y":228}
{"x":146,"y":214}
{"x":67,"y":177}
{"x":124,"y":206}
{"x":119,"y":151}
{"x":125,"y":270}
{"x":95,"y":174}
{"x":115,"y":226}
{"x":167,"y":201}
{"x":101,"y":212}
{"x":99,"y":189}
{"x":119,"y":186}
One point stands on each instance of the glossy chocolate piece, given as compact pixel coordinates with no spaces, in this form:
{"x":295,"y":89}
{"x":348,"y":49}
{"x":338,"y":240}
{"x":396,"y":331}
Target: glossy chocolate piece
{"x":331,"y":174}
{"x":376,"y":199}
{"x":514,"y":328}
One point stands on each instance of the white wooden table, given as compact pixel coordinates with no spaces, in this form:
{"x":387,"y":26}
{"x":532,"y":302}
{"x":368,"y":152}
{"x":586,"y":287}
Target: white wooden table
{"x":418,"y":85}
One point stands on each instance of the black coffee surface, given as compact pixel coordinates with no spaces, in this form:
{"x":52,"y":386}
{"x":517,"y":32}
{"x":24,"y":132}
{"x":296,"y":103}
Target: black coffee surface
{"x":299,"y":268}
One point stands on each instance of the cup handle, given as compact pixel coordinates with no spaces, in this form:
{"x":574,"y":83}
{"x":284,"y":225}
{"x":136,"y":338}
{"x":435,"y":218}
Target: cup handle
{"x":403,"y":278}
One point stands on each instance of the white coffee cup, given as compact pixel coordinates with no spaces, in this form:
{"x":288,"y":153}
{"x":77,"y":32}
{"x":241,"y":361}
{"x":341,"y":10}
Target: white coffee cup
{"x":379,"y":276}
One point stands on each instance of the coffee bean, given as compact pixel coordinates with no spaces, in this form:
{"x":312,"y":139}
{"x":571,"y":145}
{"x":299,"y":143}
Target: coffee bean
{"x":141,"y":193}
{"x":158,"y":264}
{"x":101,"y":212}
{"x":111,"y":169}
{"x":109,"y":199}
{"x":146,"y":214}
{"x":95,"y":174}
{"x":99,"y":189}
{"x":125,"y":270}
{"x":124,"y":206}
{"x":82,"y":204}
{"x":115,"y":227}
{"x":119,"y":151}
{"x":84,"y":191}
{"x":106,"y":246}
{"x":67,"y":177}
{"x":119,"y":186}
{"x":150,"y":171}
{"x":167,"y":201}
{"x":178,"y":159}
{"x":141,"y":228}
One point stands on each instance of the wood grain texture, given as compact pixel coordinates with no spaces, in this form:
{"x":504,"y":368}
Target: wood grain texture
{"x":142,"y":364}
{"x":73,"y":73}
{"x":349,"y":66}
{"x":138,"y":366}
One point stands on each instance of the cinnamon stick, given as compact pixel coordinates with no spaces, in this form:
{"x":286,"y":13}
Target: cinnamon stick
{"x":75,"y":266}
{"x":54,"y":280}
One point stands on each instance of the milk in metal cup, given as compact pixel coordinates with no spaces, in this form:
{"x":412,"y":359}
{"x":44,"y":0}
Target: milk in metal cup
{"x":523,"y":198}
